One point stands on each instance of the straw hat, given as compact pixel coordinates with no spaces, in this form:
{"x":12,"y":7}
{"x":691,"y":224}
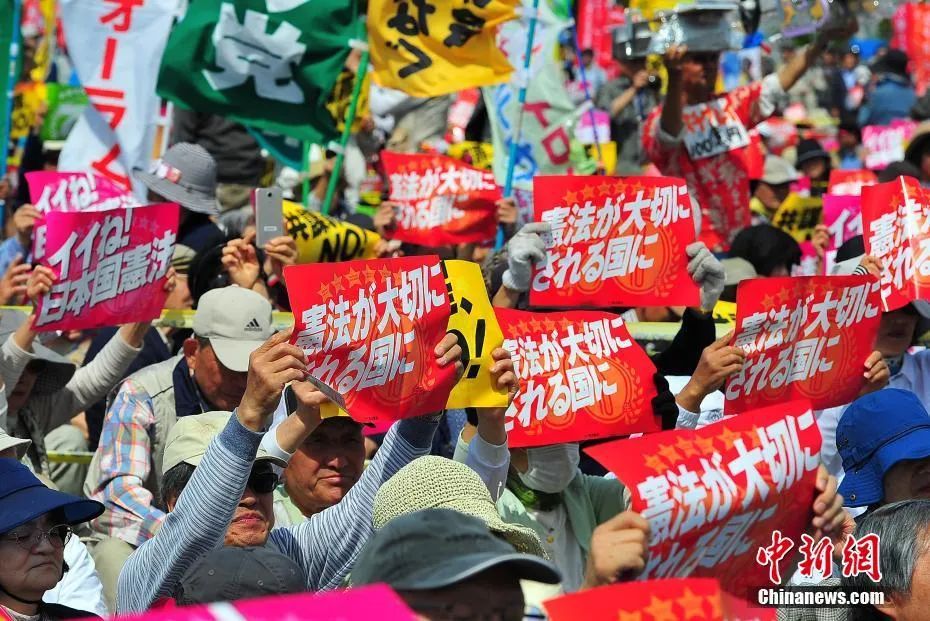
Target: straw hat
{"x":436,"y":482}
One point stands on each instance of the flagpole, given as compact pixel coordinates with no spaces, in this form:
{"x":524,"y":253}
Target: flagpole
{"x":347,"y":130}
{"x":305,"y":174}
{"x":584,"y":83}
{"x":521,"y":110}
{"x":8,"y":88}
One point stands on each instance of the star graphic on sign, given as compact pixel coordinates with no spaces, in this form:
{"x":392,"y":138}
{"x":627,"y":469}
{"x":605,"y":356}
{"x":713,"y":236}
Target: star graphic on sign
{"x":705,"y":445}
{"x":623,"y":615}
{"x":353,"y":277}
{"x":336,"y":284}
{"x":655,"y":463}
{"x":385,"y":273}
{"x":587,"y":191}
{"x":669,"y":453}
{"x":324,"y":292}
{"x":570,"y":198}
{"x":693,"y":605}
{"x":660,"y":610}
{"x":604,"y":189}
{"x":565,"y":323}
{"x":369,"y":275}
{"x":767,"y":301}
{"x":550,"y":325}
{"x":728,"y":437}
{"x":535,"y":325}
{"x":521,"y":327}
{"x":686,"y":447}
{"x":402,"y":168}
{"x":714,"y":600}
{"x":619,"y":187}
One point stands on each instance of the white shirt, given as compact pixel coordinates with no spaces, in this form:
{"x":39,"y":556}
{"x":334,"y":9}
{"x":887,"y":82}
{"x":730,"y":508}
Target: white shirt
{"x":80,"y":588}
{"x":561,"y":545}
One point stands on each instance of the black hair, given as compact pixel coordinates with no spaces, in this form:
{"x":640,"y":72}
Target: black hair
{"x":173,"y":483}
{"x":898,"y":169}
{"x":767,"y":248}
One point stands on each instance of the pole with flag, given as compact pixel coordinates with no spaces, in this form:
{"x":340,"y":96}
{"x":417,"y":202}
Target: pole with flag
{"x":349,"y":121}
{"x":305,"y":173}
{"x":521,"y":111}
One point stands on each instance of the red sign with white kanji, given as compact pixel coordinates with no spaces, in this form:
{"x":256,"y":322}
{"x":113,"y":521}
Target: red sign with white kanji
{"x":369,"y":330}
{"x":581,"y":377}
{"x":614,"y":242}
{"x":850,"y":182}
{"x":805,"y":338}
{"x":713,"y":496}
{"x":655,"y":600}
{"x":110,"y":266}
{"x":896,"y":230}
{"x":441,"y":201}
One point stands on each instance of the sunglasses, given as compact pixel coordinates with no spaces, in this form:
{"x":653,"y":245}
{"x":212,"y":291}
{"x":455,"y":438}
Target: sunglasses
{"x":262,"y":481}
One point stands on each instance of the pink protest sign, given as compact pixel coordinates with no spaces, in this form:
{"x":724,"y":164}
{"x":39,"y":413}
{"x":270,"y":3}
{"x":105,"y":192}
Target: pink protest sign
{"x":371,"y":602}
{"x":885,"y":144}
{"x":842,"y":216}
{"x":110,"y":266}
{"x":74,"y":191}
{"x":70,"y":192}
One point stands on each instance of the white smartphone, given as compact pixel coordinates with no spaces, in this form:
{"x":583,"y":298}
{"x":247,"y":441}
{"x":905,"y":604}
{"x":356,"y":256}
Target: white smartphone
{"x":269,"y":218}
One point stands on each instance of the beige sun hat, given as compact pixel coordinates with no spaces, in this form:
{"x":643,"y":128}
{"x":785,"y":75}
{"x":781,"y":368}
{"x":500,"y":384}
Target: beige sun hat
{"x":432,"y":482}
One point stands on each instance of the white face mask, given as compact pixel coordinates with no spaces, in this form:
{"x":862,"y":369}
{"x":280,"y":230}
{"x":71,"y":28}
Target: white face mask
{"x":551,"y":468}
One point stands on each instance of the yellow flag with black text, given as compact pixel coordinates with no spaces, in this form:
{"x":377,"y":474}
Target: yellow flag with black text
{"x":428,"y":48}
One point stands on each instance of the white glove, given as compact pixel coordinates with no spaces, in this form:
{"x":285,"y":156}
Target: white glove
{"x":525,"y":249}
{"x":706,"y":272}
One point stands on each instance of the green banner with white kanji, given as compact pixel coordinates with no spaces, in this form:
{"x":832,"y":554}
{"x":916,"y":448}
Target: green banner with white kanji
{"x":269,"y":64}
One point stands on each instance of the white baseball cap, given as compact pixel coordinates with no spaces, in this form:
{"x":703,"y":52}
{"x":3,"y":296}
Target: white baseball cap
{"x":236,"y":321}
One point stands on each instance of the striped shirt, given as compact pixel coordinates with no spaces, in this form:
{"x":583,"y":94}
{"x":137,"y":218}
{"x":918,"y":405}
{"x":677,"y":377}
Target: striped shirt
{"x":325,"y":546}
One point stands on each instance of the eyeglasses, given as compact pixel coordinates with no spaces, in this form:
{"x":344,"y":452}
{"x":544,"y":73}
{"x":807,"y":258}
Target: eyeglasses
{"x":57,"y":536}
{"x":263,"y":481}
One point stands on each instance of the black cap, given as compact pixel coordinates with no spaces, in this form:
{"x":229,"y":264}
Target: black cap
{"x":894,"y":61}
{"x":809,"y":149}
{"x":228,"y":574}
{"x":436,"y":548}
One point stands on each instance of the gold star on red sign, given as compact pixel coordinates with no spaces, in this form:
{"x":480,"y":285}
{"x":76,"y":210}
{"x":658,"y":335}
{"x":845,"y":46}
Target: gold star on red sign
{"x":669,"y":453}
{"x":324,"y":292}
{"x":686,"y":447}
{"x":705,"y":445}
{"x":570,"y":198}
{"x":655,"y":463}
{"x":660,"y":610}
{"x":693,"y":605}
{"x":728,"y":438}
{"x":336,"y":284}
{"x":369,"y":275}
{"x":587,"y":191}
{"x":353,"y":277}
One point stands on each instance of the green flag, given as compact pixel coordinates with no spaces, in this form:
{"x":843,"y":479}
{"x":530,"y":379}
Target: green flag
{"x":65,"y":106}
{"x":272,"y":67}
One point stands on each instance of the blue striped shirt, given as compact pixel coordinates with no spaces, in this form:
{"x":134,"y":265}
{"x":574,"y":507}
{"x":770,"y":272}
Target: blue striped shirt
{"x":325,"y":546}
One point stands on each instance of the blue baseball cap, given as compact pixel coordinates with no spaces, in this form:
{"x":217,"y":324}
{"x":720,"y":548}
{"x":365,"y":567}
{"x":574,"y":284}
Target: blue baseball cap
{"x":876,"y":432}
{"x":23,"y":498}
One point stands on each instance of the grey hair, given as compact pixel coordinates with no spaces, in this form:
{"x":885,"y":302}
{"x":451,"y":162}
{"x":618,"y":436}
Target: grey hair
{"x":903,"y":529}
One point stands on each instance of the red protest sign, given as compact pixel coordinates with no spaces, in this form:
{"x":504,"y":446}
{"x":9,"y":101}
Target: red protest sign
{"x":581,"y":377}
{"x":896,"y":229}
{"x":655,"y":600}
{"x":110,"y":266}
{"x":441,"y":200}
{"x":713,"y":496}
{"x":614,"y":242}
{"x":850,"y":182}
{"x":804,"y":338}
{"x":369,"y":329}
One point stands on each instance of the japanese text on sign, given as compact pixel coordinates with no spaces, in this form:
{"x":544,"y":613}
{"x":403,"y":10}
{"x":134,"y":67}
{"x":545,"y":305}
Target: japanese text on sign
{"x":581,"y":377}
{"x":110,"y":266}
{"x":624,"y":239}
{"x":369,"y":329}
{"x":804,"y":338}
{"x":896,"y":224}
{"x":714,"y":495}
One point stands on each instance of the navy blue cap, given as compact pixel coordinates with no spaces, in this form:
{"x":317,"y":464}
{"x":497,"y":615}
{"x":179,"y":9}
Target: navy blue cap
{"x":23,"y":498}
{"x":876,"y":432}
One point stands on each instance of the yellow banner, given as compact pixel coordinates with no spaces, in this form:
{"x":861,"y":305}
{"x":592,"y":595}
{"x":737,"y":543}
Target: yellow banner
{"x":28,"y":99}
{"x":321,"y":239}
{"x":477,"y":154}
{"x":608,"y":155}
{"x":341,"y":97}
{"x":430,"y":49}
{"x":648,"y":8}
{"x":473,"y":318}
{"x":798,"y":216}
{"x":724,"y":312}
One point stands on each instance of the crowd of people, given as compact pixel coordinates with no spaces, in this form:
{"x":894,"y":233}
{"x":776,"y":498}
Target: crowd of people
{"x":207,"y":484}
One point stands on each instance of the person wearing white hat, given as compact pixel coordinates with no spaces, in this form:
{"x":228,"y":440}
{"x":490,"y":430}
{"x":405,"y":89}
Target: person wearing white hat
{"x":772,"y":189}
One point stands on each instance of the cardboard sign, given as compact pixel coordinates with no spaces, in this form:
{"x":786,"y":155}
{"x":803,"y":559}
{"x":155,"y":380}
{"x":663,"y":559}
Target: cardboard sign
{"x":358,"y":604}
{"x":712,"y":128}
{"x":474,"y":322}
{"x":896,"y":229}
{"x":321,"y":239}
{"x":369,"y":329}
{"x":804,"y":338}
{"x":714,"y":495}
{"x":798,"y":216}
{"x":842,"y":217}
{"x":441,"y":201}
{"x":581,"y":377}
{"x":655,"y":600}
{"x":614,"y":242}
{"x":850,"y":182}
{"x":885,"y":144}
{"x":110,"y":266}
